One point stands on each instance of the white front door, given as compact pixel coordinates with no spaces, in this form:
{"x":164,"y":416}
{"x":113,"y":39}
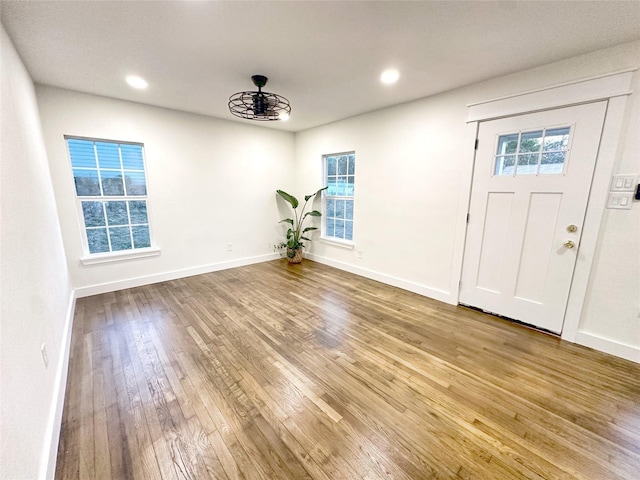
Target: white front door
{"x":530,"y":188}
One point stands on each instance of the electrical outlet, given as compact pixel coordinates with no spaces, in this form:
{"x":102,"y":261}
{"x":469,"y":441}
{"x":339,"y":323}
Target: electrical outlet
{"x":360,"y":254}
{"x":45,"y":357}
{"x":229,"y":247}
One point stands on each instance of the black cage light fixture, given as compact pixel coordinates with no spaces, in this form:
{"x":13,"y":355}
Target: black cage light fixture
{"x":261,"y":106}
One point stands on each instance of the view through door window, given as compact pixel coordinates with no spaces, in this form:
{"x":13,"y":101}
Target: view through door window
{"x":538,"y":152}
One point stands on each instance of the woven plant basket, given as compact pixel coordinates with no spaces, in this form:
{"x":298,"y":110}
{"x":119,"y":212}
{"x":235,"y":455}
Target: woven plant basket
{"x":294,"y":255}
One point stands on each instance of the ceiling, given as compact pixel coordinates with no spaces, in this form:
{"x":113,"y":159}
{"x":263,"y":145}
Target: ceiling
{"x":324,"y":56}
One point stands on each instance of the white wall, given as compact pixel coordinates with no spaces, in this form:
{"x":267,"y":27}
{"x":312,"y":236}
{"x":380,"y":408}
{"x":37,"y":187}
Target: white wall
{"x":612,"y":307}
{"x":411,"y":171}
{"x":407,"y":189}
{"x":211,"y":182}
{"x":36,"y":295}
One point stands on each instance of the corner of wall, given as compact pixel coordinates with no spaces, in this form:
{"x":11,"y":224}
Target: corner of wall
{"x":37,"y":300}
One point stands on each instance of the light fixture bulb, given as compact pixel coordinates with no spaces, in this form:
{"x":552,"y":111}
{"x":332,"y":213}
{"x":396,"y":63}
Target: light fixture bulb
{"x":137,"y":82}
{"x":283,"y":117}
{"x":390,"y":76}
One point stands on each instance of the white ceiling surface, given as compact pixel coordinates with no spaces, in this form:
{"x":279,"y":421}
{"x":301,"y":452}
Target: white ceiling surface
{"x":324,"y":56}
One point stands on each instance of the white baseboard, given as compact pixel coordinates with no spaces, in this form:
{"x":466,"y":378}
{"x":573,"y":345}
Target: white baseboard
{"x":628,"y":352}
{"x":52,"y":434}
{"x":172,"y":275}
{"x":423,"y":290}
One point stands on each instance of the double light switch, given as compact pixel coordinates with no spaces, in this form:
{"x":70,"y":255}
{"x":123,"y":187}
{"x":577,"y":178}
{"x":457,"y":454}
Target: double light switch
{"x":621,"y":191}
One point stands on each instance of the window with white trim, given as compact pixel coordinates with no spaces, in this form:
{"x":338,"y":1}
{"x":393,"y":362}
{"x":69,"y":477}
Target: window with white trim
{"x":339,"y":176}
{"x":111,"y":194}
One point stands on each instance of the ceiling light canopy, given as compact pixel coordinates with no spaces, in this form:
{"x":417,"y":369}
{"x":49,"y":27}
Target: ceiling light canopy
{"x":390,"y":76}
{"x":137,"y":82}
{"x":261,"y":106}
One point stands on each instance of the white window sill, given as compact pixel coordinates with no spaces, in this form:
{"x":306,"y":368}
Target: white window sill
{"x":119,"y":256}
{"x":338,"y":243}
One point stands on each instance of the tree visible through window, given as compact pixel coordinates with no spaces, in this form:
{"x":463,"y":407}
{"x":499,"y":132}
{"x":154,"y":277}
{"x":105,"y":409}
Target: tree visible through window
{"x":111,"y":189}
{"x":340,"y":170}
{"x":540,"y":152}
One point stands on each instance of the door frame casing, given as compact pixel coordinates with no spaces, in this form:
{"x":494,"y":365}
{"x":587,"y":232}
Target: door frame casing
{"x":615,"y":89}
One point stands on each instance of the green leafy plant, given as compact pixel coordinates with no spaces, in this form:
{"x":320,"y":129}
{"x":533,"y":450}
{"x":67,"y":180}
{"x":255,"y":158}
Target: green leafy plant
{"x":296,"y":231}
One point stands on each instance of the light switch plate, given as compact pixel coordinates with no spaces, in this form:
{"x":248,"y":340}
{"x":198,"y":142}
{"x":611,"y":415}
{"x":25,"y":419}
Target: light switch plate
{"x":620,"y":201}
{"x":624,"y":183}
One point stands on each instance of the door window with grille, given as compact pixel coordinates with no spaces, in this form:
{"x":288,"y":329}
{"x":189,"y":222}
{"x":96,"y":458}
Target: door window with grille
{"x":537,"y":152}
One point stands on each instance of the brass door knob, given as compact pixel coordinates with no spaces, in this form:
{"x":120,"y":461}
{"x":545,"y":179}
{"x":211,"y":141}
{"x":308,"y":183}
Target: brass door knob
{"x":569,"y":244}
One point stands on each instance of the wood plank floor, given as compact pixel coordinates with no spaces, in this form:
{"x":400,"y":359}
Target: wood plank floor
{"x":279,"y":372}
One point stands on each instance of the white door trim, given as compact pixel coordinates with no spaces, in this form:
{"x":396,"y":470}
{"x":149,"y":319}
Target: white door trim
{"x":613,"y":87}
{"x":589,"y":90}
{"x":593,"y":219}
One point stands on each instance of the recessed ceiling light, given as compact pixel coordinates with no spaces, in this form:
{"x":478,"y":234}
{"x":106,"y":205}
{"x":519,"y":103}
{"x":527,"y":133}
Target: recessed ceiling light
{"x":390,"y":76}
{"x":137,"y":82}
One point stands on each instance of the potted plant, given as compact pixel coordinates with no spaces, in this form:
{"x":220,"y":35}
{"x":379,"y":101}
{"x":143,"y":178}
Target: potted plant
{"x":296,"y":231}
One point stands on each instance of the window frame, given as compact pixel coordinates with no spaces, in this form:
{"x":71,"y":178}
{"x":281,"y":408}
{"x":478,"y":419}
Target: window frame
{"x":89,"y":258}
{"x":540,"y":153}
{"x":341,"y":242}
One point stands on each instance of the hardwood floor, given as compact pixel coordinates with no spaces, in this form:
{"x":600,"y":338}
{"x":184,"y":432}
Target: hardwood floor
{"x":279,"y":372}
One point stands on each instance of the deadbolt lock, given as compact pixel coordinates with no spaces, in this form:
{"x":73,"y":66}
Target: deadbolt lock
{"x":572,"y":228}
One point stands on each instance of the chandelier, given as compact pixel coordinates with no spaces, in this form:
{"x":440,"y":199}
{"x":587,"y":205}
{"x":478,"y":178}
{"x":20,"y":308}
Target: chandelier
{"x":261,"y":106}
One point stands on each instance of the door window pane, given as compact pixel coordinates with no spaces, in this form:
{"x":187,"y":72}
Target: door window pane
{"x":530,"y":142}
{"x":505,"y":164}
{"x":540,"y":152}
{"x":507,"y":144}
{"x":552,"y":163}
{"x":556,"y":139}
{"x":527,"y":164}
